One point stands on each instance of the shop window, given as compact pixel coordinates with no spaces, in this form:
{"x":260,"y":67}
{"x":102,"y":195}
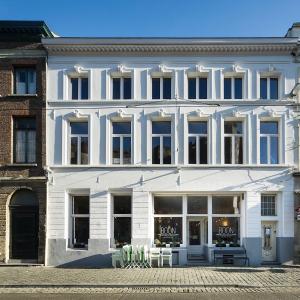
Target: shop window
{"x":225,"y":205}
{"x":233,"y":142}
{"x":226,"y":230}
{"x":268,"y":205}
{"x":197,"y":205}
{"x":167,"y":205}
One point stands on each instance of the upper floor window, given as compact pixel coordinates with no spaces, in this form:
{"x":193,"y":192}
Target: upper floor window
{"x":79,"y":88}
{"x":121,"y":143}
{"x":268,"y":205}
{"x":197,"y":88}
{"x":161,"y":87}
{"x":24,"y":140}
{"x":269,"y":88}
{"x":25,"y":81}
{"x":233,"y":142}
{"x":121,"y":88}
{"x":269,"y":142}
{"x":161,"y":142}
{"x":79,"y":143}
{"x":80,"y":220}
{"x":233,"y":88}
{"x":197,"y":142}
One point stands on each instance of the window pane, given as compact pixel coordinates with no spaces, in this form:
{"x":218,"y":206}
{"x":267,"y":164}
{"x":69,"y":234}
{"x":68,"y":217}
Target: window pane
{"x":74,"y":150}
{"x":167,"y":231}
{"x":156,"y":150}
{"x":197,"y":205}
{"x":74,"y":88}
{"x":226,"y":231}
{"x":167,"y":205}
{"x":232,"y":127}
{"x":116,"y":150}
{"x":238,"y":88}
{"x":20,"y":87}
{"x":203,"y":150}
{"x":192,"y":88}
{"x":121,"y":127}
{"x":238,"y":150}
{"x":122,"y":231}
{"x":127,"y":88}
{"x":31,"y":146}
{"x":194,"y":232}
{"x":227,"y":88}
{"x":79,"y":127}
{"x":122,"y":204}
{"x":126,"y":150}
{"x":81,"y":232}
{"x":192,"y":150}
{"x":20,"y":146}
{"x":25,"y":123}
{"x":196,"y":127}
{"x":166,"y":88}
{"x":263,"y":150}
{"x":81,"y":205}
{"x":167,"y":150}
{"x":268,"y":205}
{"x":228,"y":150}
{"x":116,"y":88}
{"x":263,"y":88}
{"x":84,"y":155}
{"x":274,"y":150}
{"x":84,"y":88}
{"x":163,"y":127}
{"x":274,"y":88}
{"x":202,"y":88}
{"x":224,"y":205}
{"x":269,"y":127}
{"x":155,"y":88}
{"x":31,"y":81}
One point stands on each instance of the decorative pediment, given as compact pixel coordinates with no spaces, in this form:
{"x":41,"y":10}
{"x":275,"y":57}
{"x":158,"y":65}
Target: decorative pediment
{"x":160,"y":114}
{"x":120,"y":114}
{"x":270,"y":113}
{"x":76,"y":114}
{"x":198,"y":113}
{"x":121,"y":70}
{"x":234,"y":70}
{"x":77,"y":71}
{"x":271,"y":70}
{"x":162,"y":70}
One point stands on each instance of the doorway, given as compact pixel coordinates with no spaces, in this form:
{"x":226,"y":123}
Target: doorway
{"x":268,"y":241}
{"x":197,"y":235}
{"x":24,"y":225}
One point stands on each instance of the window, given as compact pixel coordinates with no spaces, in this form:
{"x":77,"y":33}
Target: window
{"x":269,"y":142}
{"x":122,"y":220}
{"x":168,"y":228}
{"x":197,"y":205}
{"x":121,"y":143}
{"x":79,"y":88}
{"x":79,"y":143}
{"x":197,"y":88}
{"x":161,"y":88}
{"x":197,"y":142}
{"x":25,"y":81}
{"x":226,"y":220}
{"x":121,"y":88}
{"x":80,"y":221}
{"x":233,"y":142}
{"x":269,"y":88}
{"x":268,"y":205}
{"x":161,"y":142}
{"x":233,"y":88}
{"x":24,"y":140}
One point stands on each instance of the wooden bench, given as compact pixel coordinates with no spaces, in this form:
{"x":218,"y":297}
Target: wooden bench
{"x":228,"y":256}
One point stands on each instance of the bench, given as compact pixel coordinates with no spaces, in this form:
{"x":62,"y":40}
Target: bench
{"x":228,"y":256}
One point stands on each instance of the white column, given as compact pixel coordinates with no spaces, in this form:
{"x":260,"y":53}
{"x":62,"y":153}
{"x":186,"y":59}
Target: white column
{"x":209,"y":221}
{"x":184,"y":221}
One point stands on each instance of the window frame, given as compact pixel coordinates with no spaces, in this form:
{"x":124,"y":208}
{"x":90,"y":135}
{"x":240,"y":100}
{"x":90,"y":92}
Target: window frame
{"x":161,"y":86}
{"x":78,"y":136}
{"x":122,"y":77}
{"x":15,"y":68}
{"x":73,"y":217}
{"x":232,"y":78}
{"x":275,"y":205}
{"x":198,"y":86}
{"x":79,"y":90}
{"x":122,"y":136}
{"x":269,"y":77}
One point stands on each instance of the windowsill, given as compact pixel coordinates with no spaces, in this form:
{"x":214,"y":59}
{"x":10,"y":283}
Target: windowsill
{"x":21,"y":165}
{"x":77,"y":249}
{"x":22,"y":95}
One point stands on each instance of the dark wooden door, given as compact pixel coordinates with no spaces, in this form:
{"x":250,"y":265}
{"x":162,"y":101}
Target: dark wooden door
{"x":24,"y":232}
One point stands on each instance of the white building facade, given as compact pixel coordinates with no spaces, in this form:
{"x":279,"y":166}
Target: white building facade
{"x":187,"y":143}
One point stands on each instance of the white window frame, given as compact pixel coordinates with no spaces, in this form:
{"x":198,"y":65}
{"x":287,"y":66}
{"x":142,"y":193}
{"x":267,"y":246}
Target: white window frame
{"x":268,"y":77}
{"x":276,"y":205}
{"x":113,"y":216}
{"x":268,"y":136}
{"x":161,"y":136}
{"x":121,"y":136}
{"x":198,"y":136}
{"x":233,"y":85}
{"x":233,"y":136}
{"x":197,"y":86}
{"x":121,"y":87}
{"x":79,"y":87}
{"x":74,"y":216}
{"x":78,"y":136}
{"x":161,"y":86}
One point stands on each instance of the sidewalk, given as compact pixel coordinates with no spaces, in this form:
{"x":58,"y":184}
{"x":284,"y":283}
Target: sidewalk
{"x":206,"y":277}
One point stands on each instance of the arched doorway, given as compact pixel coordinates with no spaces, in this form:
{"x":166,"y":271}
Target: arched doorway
{"x":24,"y":225}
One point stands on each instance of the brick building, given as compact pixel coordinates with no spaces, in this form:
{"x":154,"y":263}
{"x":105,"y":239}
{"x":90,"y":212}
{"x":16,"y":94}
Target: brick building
{"x":22,"y":141}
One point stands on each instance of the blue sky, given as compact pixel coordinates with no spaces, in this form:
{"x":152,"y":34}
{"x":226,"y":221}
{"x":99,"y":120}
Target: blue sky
{"x":203,"y":18}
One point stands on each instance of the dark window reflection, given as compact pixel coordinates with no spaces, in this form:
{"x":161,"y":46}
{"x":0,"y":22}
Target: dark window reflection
{"x":168,"y":205}
{"x":127,"y":88}
{"x":156,"y":150}
{"x":166,"y":88}
{"x":122,"y":204}
{"x":192,"y":88}
{"x":274,"y":88}
{"x":167,"y":150}
{"x":161,"y":127}
{"x":227,"y":88}
{"x":202,"y":88}
{"x":116,"y":88}
{"x":226,"y":231}
{"x":192,"y":150}
{"x":74,"y":87}
{"x":238,"y":88}
{"x":155,"y":88}
{"x":263,"y":88}
{"x":84,"y":88}
{"x":122,"y":231}
{"x":197,"y":205}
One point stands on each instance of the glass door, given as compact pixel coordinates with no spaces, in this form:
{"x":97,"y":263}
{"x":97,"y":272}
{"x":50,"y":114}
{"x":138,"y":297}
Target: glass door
{"x":194,"y":233}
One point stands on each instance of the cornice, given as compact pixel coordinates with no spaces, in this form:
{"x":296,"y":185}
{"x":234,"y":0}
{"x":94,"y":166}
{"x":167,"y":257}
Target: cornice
{"x":101,"y":49}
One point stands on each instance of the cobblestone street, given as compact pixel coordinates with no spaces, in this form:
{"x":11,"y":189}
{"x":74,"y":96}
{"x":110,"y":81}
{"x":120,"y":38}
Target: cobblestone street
{"x":208,"y":280}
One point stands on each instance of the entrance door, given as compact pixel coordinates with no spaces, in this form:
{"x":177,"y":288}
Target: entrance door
{"x":268,"y":241}
{"x":24,"y":225}
{"x":196,"y":235}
